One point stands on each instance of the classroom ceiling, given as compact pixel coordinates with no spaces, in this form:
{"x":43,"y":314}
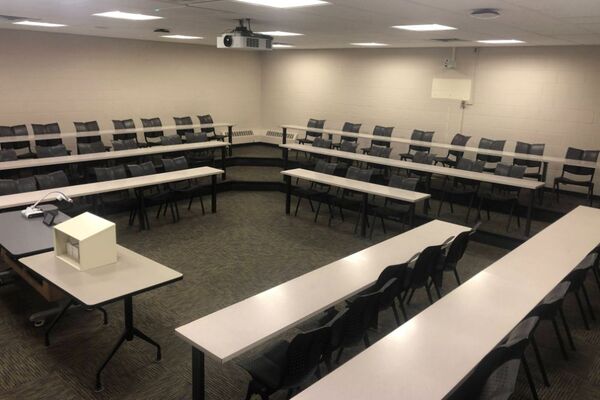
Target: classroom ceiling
{"x":334,"y":25}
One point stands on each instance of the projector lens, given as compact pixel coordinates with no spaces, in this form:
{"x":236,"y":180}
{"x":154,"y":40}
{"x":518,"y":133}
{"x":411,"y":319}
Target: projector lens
{"x":228,"y":41}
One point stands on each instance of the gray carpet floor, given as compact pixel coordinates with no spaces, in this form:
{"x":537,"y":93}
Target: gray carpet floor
{"x":247,"y":247}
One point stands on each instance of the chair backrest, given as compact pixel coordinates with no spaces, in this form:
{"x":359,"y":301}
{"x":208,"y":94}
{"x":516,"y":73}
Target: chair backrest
{"x":184,"y":121}
{"x":304,"y":355}
{"x":424,"y":265}
{"x":110,"y":173}
{"x":322,"y":143}
{"x":352,"y":128}
{"x":423,"y":136}
{"x":170,"y":140}
{"x":51,"y":151}
{"x":361,"y":312}
{"x":457,"y":249}
{"x":46,"y":129}
{"x":517,"y":171}
{"x":358,"y":174}
{"x":380,"y":151}
{"x":52,"y":180}
{"x":582,"y":155}
{"x":124,"y":124}
{"x":28,"y":184}
{"x":422,"y":157}
{"x":8,"y":155}
{"x":206,"y":119}
{"x":124,"y":144}
{"x":8,"y":186}
{"x":17,"y":130}
{"x":400,"y":182}
{"x":175,"y":164}
{"x":385,"y":131}
{"x":314,"y":123}
{"x":557,"y":294}
{"x":458,"y":140}
{"x":489,"y":144}
{"x":89,"y":148}
{"x":146,"y":168}
{"x":192,"y":137}
{"x":150,"y":135}
{"x":502,"y":170}
{"x":336,"y":331}
{"x":325,"y":167}
{"x":464,"y":164}
{"x":348,"y":146}
{"x":89,"y":126}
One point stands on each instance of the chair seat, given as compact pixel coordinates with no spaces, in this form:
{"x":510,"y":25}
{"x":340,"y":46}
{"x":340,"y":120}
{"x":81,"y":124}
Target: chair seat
{"x":217,"y":136}
{"x":267,"y":368}
{"x":569,"y":181}
{"x":27,"y":155}
{"x":445,"y":161}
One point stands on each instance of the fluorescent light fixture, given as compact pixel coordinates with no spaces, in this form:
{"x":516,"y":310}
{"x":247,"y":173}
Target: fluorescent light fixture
{"x":501,"y":41}
{"x":126,"y":15}
{"x":424,"y":27}
{"x":36,"y":23}
{"x":285,"y":3}
{"x":369,"y":44}
{"x":282,"y":46}
{"x":182,"y":37}
{"x":281,"y":33}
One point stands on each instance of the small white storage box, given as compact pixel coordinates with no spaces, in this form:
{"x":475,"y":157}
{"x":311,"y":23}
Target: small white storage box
{"x":86,"y":241}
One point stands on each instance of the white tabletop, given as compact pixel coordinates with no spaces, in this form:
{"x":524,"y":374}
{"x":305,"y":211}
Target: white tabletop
{"x":231,"y":331}
{"x":434,"y":169}
{"x":358,"y":186}
{"x":87,"y":189}
{"x":446,"y":146}
{"x":430,"y":354}
{"x":132,"y":273}
{"x":9,"y":139}
{"x":107,"y":155}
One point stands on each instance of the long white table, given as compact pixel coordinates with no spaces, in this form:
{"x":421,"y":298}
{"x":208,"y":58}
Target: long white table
{"x":527,"y":184}
{"x":110,"y":155}
{"x":232,"y":331}
{"x":428,"y":356}
{"x":130,"y":275}
{"x":88,"y":189}
{"x":65,"y":135}
{"x":544,"y":159}
{"x":366,"y":188}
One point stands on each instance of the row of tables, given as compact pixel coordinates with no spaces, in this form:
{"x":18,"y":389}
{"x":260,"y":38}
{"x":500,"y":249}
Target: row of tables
{"x":526,"y":184}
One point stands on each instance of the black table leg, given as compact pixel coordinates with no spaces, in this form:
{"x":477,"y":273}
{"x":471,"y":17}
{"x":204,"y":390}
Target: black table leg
{"x":288,"y":193}
{"x":230,"y":135}
{"x":224,"y":162}
{"x":62,"y":312}
{"x":532,"y":194}
{"x":544,"y":171}
{"x":365,"y":209}
{"x":213,"y":188}
{"x":198,"y":382}
{"x":128,"y":335}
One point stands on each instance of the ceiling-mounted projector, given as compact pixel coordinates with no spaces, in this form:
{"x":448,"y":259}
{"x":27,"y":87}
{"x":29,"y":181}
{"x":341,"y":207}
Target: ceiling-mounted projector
{"x":242,"y":38}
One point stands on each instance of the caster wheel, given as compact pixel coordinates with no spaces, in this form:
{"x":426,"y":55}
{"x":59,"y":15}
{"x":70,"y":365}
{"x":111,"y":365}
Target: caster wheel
{"x":38,"y":323}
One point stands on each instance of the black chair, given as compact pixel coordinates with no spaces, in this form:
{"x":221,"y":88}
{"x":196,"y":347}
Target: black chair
{"x":170,"y":140}
{"x":8,"y":186}
{"x":316,"y":191}
{"x":532,"y":149}
{"x":344,"y":163}
{"x":89,"y":148}
{"x":125,"y":124}
{"x":495,"y":376}
{"x":57,"y":150}
{"x":348,"y":199}
{"x":287,"y":365}
{"x":577,"y":279}
{"x":489,"y":144}
{"x":184,"y":121}
{"x":350,"y":128}
{"x":571,"y":170}
{"x":379,"y":171}
{"x":422,"y":273}
{"x":336,"y":332}
{"x":421,"y":136}
{"x":13,"y":186}
{"x":90,"y":126}
{"x":152,"y":195}
{"x":311,"y":162}
{"x":502,"y":193}
{"x":56,"y":179}
{"x":46,"y":129}
{"x":394,"y":210}
{"x":120,"y":200}
{"x":152,"y":138}
{"x":449,"y":259}
{"x":424,"y":184}
{"x":23,"y":148}
{"x":453,"y":156}
{"x":210,"y":132}
{"x":8,"y":155}
{"x":187,"y":189}
{"x":197,"y":158}
{"x":461,"y":187}
{"x":310,"y":136}
{"x":380,"y":131}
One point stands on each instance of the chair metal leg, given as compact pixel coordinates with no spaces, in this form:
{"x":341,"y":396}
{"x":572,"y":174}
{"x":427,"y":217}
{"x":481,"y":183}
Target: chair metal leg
{"x":583,"y":316}
{"x":429,"y":294}
{"x":471,"y":200}
{"x":339,"y":355}
{"x":538,"y":358}
{"x":297,"y":206}
{"x":317,"y":212}
{"x":587,"y":300}
{"x":456,"y":276}
{"x":396,"y":316}
{"x":529,"y":378}
{"x":366,"y":340}
{"x":567,"y":329}
{"x":410,"y":295}
{"x":560,"y":340}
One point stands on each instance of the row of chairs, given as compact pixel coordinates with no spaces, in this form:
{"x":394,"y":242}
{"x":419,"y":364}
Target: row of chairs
{"x":571,"y":175}
{"x":93,"y":144}
{"x":289,"y":365}
{"x":496,"y":374}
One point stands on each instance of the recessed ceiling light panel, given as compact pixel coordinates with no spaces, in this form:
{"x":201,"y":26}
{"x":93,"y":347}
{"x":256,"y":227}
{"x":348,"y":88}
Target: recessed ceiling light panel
{"x":128,"y":16}
{"x":425,"y":27}
{"x":369,"y":44}
{"x":37,"y":23}
{"x":282,"y":46}
{"x":501,"y":41}
{"x":280,"y":33}
{"x":285,"y":3}
{"x":182,"y":37}
{"x":485,"y":13}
